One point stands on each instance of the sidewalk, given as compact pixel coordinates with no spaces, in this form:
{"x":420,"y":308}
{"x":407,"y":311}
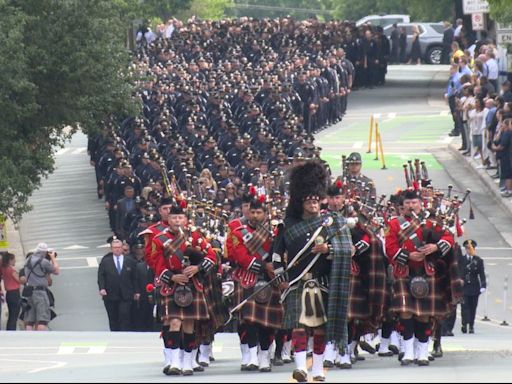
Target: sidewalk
{"x":491,"y":184}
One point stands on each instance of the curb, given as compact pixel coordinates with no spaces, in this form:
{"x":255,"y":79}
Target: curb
{"x":491,"y":186}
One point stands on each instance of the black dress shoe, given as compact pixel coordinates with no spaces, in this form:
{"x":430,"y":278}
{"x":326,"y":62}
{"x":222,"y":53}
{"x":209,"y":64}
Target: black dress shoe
{"x":328,"y":364}
{"x":462,"y":149}
{"x":453,"y":134}
{"x":199,"y":368}
{"x":464,"y":329}
{"x":300,"y":375}
{"x":449,"y":333}
{"x":495,"y":176}
{"x":394,"y":349}
{"x":367,"y":347}
{"x":437,"y":352}
{"x":471,"y":329}
{"x":467,"y":153}
{"x":278,"y":361}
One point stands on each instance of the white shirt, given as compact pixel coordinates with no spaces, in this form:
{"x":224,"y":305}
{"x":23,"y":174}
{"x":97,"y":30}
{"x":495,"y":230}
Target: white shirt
{"x":169,"y":29}
{"x":457,"y":31}
{"x":121,"y":260}
{"x":477,"y":121}
{"x":492,"y":64}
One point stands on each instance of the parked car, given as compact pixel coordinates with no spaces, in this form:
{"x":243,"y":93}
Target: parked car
{"x":431,"y":40}
{"x":383,"y":20}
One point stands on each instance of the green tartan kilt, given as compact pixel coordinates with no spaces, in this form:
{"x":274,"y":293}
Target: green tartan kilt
{"x":293,"y":306}
{"x":268,"y":315}
{"x":217,"y":309}
{"x":436,"y":304}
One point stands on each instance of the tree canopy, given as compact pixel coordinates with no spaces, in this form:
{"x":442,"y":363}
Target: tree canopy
{"x":64,"y":65}
{"x":501,"y":11}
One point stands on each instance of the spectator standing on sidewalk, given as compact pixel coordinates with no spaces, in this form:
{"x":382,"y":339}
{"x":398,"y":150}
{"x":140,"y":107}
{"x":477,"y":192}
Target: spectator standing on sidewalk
{"x":12,"y":288}
{"x":477,"y":115}
{"x":472,"y":270}
{"x":37,"y":271}
{"x":502,"y":147}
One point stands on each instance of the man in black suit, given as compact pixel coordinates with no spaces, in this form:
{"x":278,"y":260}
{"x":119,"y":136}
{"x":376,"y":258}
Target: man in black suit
{"x":395,"y":41}
{"x":447,"y":42}
{"x":472,"y":269}
{"x":116,"y":282}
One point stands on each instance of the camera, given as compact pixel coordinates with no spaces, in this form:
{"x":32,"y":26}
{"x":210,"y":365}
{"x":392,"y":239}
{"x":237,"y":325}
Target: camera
{"x":47,"y":257}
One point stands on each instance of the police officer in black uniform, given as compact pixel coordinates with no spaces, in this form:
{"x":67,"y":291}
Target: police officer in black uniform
{"x":472,"y":270}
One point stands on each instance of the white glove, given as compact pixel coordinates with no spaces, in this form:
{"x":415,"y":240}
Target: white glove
{"x":482,"y":290}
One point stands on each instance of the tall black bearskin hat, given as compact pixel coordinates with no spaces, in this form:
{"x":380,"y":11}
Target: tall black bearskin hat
{"x":410,"y":194}
{"x":307,"y":181}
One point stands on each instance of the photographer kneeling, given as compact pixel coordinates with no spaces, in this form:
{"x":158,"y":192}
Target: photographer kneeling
{"x":35,"y":299}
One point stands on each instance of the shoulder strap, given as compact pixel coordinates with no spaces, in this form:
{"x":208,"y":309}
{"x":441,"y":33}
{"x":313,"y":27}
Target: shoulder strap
{"x":31,"y":269}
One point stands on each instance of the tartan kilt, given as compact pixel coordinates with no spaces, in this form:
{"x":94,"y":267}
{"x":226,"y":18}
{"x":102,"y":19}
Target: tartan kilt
{"x":218,"y":311}
{"x":198,"y":310}
{"x":293,"y":306}
{"x":435,"y":305}
{"x":268,"y":315}
{"x":358,"y":308}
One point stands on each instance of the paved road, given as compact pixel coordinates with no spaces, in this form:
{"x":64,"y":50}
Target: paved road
{"x":68,"y":216}
{"x":414,"y":123}
{"x":123,"y":357}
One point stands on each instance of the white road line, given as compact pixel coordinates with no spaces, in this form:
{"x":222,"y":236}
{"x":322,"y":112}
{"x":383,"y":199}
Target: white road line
{"x":92,"y":262}
{"x":496,"y":248}
{"x":81,"y":267}
{"x":103,"y":246}
{"x":97,"y":350}
{"x":357,"y":145}
{"x":71,"y":247}
{"x":65,"y":350}
{"x":447,"y":140}
{"x":377,"y":115}
{"x":391,"y":115}
{"x":444,"y":113}
{"x":492,"y":264}
{"x":62,"y":151}
{"x":56,"y":364}
{"x":79,"y":150}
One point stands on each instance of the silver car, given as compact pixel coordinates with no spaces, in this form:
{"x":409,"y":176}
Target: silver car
{"x":431,"y":40}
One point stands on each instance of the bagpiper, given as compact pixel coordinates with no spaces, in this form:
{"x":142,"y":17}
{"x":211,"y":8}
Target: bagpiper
{"x":311,"y":258}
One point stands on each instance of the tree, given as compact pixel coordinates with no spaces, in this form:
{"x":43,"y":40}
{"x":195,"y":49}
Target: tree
{"x":206,"y":9}
{"x":64,"y":65}
{"x":164,"y":9}
{"x":501,"y":11}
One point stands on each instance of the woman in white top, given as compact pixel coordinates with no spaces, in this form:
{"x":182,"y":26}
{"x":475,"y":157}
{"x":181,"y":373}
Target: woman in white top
{"x":476,"y":120}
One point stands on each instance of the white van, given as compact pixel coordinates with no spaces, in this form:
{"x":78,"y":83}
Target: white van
{"x":383,"y":20}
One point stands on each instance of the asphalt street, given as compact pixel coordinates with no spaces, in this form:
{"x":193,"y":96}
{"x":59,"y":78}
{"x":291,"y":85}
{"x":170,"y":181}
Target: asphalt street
{"x":414,"y":123}
{"x":122,"y":357}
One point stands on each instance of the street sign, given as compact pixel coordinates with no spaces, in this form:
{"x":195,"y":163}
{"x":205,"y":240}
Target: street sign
{"x":475,"y":6}
{"x":478,"y":22}
{"x":504,"y":37}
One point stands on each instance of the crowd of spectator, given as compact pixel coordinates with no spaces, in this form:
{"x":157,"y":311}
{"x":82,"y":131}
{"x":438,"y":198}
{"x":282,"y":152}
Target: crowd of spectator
{"x":481,"y":109}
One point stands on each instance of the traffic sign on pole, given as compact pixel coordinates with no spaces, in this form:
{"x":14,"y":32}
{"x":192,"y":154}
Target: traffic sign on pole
{"x":475,"y":6}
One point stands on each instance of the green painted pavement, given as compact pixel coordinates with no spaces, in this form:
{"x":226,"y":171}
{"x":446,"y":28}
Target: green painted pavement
{"x":401,"y":129}
{"x":393,"y":161}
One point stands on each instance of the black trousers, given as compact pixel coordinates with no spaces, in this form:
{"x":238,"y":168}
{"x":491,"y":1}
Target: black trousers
{"x":119,"y":314}
{"x":143,"y":316}
{"x":449,"y":322}
{"x":469,"y":310}
{"x":13,"y":304}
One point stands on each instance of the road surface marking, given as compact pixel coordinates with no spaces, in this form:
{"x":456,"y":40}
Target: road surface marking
{"x":447,"y":140}
{"x":217,"y":347}
{"x":92,"y":262}
{"x":97,"y":350}
{"x":82,"y":267}
{"x":71,"y":247}
{"x":78,"y":151}
{"x":56,"y":364}
{"x":496,"y":248}
{"x":103,"y":246}
{"x":444,"y":113}
{"x":377,"y":115}
{"x":357,"y":145}
{"x":62,"y":151}
{"x":492,"y":264}
{"x":391,"y":115}
{"x":65,"y":350}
